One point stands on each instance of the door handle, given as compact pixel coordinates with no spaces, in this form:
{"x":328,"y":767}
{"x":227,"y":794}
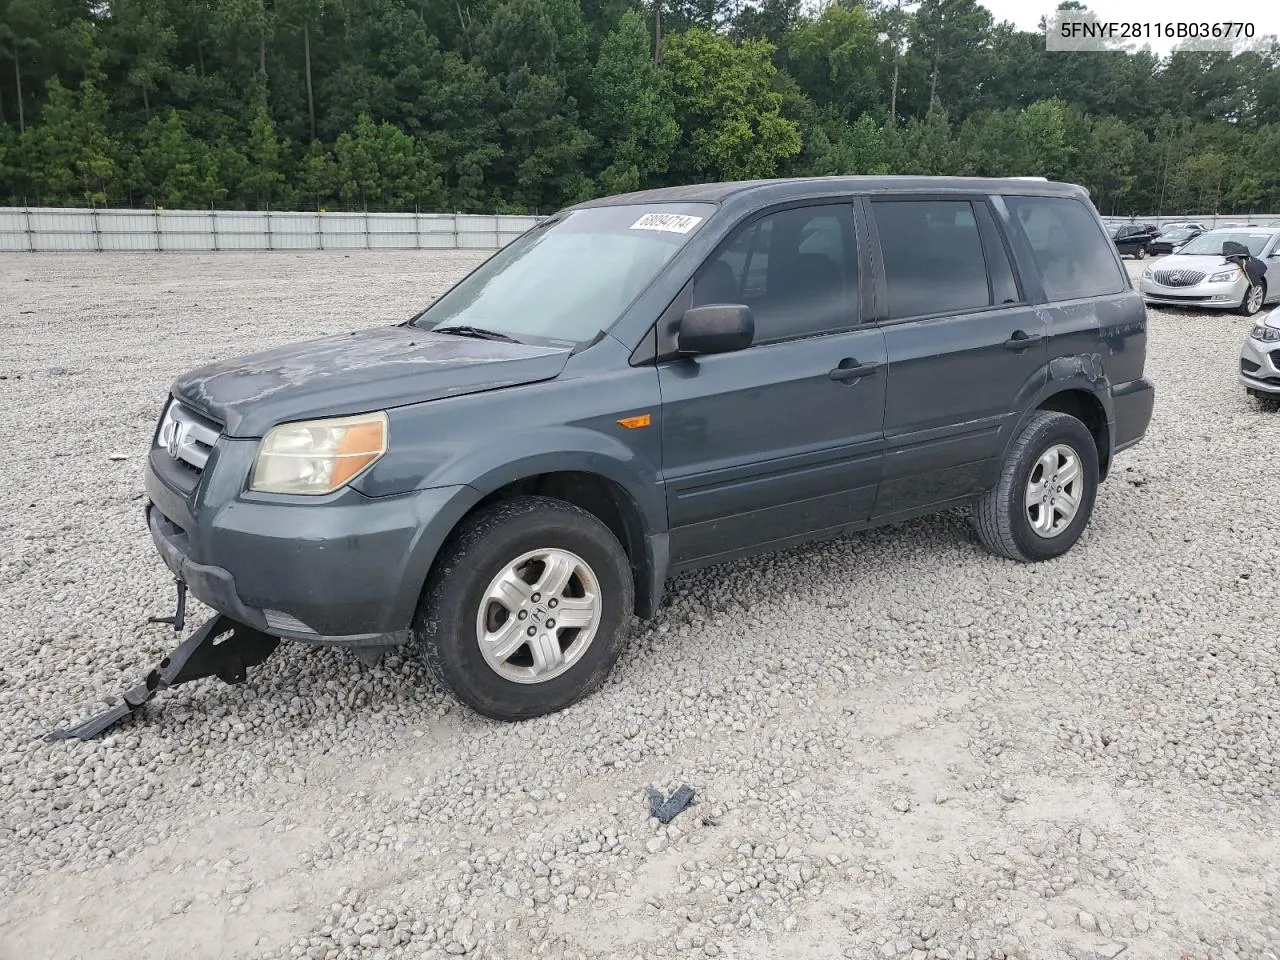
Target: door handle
{"x":850,"y":369}
{"x":1021,"y":340}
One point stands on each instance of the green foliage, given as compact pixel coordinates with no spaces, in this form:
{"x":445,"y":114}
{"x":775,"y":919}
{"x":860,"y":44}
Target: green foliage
{"x":528,"y":105}
{"x":379,"y":165}
{"x":634,"y":115}
{"x":727,"y":109}
{"x":69,"y":155}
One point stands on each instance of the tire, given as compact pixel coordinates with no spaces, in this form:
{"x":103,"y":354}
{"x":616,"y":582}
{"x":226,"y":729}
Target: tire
{"x":1253,"y":298}
{"x":1003,"y":518}
{"x":1268,"y":402}
{"x":456,"y":606}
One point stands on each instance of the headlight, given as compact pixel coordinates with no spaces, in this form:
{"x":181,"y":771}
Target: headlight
{"x":1265,"y":333}
{"x":1146,"y":274}
{"x":1224,"y":275}
{"x":314,"y":457}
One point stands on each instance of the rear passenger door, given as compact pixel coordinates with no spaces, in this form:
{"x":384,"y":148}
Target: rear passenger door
{"x":781,"y":441}
{"x":963,"y":344}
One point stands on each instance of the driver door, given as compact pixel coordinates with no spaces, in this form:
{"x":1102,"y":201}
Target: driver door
{"x":783,"y":441}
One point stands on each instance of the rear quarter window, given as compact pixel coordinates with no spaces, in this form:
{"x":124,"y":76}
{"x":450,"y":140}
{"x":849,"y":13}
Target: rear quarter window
{"x":1073,"y":256}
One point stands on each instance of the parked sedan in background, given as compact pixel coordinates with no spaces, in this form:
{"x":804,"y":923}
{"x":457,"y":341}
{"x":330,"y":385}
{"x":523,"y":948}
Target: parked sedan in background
{"x":1198,"y":275}
{"x":1171,"y":238}
{"x":1133,"y":239}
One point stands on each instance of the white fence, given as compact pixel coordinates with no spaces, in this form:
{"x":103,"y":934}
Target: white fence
{"x":58,"y":229}
{"x":1209,"y":221}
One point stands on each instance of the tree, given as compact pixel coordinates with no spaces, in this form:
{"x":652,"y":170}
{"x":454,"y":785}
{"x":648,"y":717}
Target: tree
{"x":69,"y":156}
{"x":175,"y":169}
{"x":835,"y":57}
{"x":264,"y":182}
{"x":728,"y":112}
{"x":953,"y":35}
{"x":380,"y":165}
{"x":634,"y":116}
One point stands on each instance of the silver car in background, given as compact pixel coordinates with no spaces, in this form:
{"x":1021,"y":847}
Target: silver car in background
{"x":1198,"y":275}
{"x":1260,"y":360}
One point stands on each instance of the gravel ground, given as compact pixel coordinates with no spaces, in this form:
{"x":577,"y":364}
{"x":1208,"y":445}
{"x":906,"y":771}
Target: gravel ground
{"x":902,"y":746}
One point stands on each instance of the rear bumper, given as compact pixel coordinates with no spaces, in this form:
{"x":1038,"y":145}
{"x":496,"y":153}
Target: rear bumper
{"x":1132,"y":406}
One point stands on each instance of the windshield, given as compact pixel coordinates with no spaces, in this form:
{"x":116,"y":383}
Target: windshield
{"x":1177,"y":233}
{"x":570,"y":277}
{"x":1210,"y":244}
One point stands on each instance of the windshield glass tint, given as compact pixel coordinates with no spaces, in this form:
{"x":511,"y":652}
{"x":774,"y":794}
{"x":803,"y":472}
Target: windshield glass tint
{"x":566,"y":280}
{"x":1210,"y":244}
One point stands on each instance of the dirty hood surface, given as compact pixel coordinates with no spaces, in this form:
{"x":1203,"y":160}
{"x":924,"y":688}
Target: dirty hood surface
{"x":358,"y":372}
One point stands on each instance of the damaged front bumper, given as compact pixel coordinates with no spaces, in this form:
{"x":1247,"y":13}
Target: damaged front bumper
{"x":215,"y":587}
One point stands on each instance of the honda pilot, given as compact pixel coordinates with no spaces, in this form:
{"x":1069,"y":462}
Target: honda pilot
{"x":645,"y":384}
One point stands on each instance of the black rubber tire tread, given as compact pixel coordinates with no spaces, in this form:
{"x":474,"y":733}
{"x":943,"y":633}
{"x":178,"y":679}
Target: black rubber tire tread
{"x":998,"y":517}
{"x":1268,"y":403}
{"x":1243,"y":309}
{"x":444,"y":626}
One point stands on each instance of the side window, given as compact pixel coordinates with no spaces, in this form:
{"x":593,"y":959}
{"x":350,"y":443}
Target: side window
{"x":1004,"y":288}
{"x":933,"y":261}
{"x":796,"y":269}
{"x":1072,"y":254}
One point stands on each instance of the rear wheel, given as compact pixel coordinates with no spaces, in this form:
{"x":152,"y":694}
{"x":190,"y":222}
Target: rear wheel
{"x":1044,"y":498}
{"x":1142,"y":253}
{"x":1253,"y":298}
{"x":526,"y":611}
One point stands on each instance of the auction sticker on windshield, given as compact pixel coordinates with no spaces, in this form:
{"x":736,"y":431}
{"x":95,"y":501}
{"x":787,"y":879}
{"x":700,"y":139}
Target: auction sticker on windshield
{"x":667,"y":222}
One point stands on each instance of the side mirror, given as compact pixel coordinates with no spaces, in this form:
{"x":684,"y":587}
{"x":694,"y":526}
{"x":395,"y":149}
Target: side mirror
{"x":716,"y":328}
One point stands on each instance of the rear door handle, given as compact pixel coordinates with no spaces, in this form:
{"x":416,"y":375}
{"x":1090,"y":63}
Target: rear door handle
{"x":850,"y":369}
{"x":1021,"y":340}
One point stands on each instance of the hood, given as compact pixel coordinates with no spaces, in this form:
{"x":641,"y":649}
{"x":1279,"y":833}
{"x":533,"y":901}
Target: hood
{"x":1180,"y":261}
{"x":358,"y":372}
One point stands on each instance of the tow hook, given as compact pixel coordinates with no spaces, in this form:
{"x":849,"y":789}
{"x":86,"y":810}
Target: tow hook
{"x":203,"y":654}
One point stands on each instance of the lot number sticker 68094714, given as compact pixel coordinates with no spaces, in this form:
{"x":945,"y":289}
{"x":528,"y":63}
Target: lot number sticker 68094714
{"x":666,"y":222}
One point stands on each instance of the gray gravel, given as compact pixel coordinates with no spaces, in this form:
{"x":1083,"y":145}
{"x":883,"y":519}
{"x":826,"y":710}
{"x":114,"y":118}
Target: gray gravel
{"x":902,"y":746}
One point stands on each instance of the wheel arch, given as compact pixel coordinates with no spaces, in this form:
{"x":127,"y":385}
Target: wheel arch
{"x":601,"y":493}
{"x":1076,"y":385}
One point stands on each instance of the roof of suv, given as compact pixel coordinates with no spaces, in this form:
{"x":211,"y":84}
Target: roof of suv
{"x":781,"y":189}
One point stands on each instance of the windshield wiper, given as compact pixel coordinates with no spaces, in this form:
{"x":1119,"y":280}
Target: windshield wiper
{"x":480,"y":333}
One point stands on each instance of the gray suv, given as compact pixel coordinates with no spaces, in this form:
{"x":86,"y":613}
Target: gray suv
{"x":649,"y":383}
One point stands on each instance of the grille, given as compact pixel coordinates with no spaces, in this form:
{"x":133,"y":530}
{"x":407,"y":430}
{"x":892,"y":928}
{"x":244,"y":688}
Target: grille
{"x":1275,"y":357}
{"x":186,"y":436}
{"x":1248,"y":366}
{"x":1178,"y":278}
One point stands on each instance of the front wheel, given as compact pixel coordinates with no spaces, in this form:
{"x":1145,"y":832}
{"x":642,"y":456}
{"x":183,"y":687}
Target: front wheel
{"x":1044,"y":498}
{"x":525,"y":613}
{"x":1253,"y":298}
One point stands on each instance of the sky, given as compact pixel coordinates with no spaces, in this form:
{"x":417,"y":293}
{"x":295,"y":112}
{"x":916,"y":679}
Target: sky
{"x":1265,"y":14}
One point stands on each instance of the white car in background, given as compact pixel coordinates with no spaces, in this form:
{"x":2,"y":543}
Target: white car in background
{"x":1260,"y":360}
{"x":1198,"y":275}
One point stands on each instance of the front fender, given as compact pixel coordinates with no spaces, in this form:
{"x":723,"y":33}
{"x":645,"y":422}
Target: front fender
{"x":483,"y":469}
{"x":558,"y":449}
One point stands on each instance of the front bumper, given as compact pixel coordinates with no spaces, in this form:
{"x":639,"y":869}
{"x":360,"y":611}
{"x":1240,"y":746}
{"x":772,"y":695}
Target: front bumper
{"x":1225,"y":295}
{"x":1260,"y":366}
{"x":343,"y":569}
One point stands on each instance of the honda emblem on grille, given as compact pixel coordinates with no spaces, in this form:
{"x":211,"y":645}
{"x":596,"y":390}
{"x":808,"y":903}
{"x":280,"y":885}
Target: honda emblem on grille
{"x":173,"y":442}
